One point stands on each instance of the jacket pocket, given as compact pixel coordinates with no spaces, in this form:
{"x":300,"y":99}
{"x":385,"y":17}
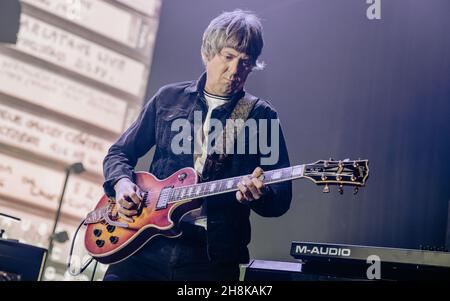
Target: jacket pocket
{"x":173,"y":124}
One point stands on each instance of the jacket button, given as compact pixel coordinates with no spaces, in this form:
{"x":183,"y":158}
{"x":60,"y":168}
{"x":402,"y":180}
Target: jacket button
{"x":189,"y":138}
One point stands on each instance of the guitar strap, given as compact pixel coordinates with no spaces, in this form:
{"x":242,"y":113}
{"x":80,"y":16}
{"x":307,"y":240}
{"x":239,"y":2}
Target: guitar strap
{"x":216,"y":160}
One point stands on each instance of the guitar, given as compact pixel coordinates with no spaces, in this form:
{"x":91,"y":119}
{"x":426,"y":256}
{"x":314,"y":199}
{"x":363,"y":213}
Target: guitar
{"x":110,"y":239}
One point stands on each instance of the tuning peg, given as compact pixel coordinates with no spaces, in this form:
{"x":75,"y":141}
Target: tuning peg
{"x":341,"y":189}
{"x":326,"y":189}
{"x":355,"y":190}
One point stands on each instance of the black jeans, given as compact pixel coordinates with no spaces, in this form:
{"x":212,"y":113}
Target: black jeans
{"x":181,"y":259}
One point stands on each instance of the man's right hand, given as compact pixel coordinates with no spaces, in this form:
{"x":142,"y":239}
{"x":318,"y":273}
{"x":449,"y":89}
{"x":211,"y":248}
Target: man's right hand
{"x":128,"y":198}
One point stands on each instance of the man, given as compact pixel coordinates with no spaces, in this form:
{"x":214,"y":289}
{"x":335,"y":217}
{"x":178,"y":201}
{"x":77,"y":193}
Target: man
{"x":215,"y":237}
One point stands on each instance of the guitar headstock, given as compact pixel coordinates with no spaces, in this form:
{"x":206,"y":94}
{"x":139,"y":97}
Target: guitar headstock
{"x":342,"y":173}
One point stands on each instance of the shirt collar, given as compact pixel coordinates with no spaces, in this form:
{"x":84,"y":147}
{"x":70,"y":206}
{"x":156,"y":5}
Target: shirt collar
{"x":198,"y":85}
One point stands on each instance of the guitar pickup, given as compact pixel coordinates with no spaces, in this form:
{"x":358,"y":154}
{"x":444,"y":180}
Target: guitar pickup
{"x":164,"y":198}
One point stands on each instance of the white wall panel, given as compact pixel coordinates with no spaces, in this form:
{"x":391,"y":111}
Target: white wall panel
{"x":51,"y":139}
{"x":148,"y":7}
{"x":39,"y":186}
{"x":61,"y":94}
{"x":98,"y":16}
{"x":77,"y":54}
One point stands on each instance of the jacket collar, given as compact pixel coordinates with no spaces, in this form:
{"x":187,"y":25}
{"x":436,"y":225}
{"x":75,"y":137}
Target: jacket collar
{"x":198,"y":86}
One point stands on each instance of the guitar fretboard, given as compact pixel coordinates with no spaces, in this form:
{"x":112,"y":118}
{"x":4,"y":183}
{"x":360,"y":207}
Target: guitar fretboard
{"x":230,"y":184}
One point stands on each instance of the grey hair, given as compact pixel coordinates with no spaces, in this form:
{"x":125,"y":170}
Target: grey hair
{"x":240,"y":30}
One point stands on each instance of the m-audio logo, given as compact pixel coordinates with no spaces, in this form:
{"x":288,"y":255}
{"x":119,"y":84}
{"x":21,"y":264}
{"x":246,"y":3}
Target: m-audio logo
{"x":330,"y":251}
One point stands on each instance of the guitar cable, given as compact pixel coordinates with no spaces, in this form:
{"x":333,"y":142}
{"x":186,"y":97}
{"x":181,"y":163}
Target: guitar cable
{"x":87,"y":263}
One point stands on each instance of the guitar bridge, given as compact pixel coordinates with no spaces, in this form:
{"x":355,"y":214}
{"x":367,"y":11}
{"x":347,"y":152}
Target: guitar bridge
{"x":96,"y":216}
{"x":104,"y":214}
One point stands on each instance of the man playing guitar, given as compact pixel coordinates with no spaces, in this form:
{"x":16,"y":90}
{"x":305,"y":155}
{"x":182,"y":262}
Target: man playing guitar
{"x":216,"y":234}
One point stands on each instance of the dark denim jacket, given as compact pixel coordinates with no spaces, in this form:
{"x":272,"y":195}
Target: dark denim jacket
{"x":228,"y":220}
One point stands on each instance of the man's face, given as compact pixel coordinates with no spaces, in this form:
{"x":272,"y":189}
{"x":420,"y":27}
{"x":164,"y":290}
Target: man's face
{"x":227,"y":72}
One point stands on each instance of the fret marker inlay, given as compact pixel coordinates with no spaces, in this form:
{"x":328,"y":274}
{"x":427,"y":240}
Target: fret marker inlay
{"x":297,"y":171}
{"x":229,"y":184}
{"x":276,"y":175}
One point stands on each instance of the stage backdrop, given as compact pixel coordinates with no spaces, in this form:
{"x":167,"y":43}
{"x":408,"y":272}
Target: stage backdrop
{"x":345,"y":87}
{"x":75,"y":79}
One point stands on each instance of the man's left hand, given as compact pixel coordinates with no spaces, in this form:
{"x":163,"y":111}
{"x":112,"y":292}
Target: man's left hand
{"x":251,"y":189}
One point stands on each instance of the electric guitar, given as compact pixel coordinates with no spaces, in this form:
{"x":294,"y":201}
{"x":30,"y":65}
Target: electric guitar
{"x":110,"y":239}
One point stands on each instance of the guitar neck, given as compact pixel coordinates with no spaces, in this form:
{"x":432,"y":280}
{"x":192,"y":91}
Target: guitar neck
{"x":206,"y":189}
